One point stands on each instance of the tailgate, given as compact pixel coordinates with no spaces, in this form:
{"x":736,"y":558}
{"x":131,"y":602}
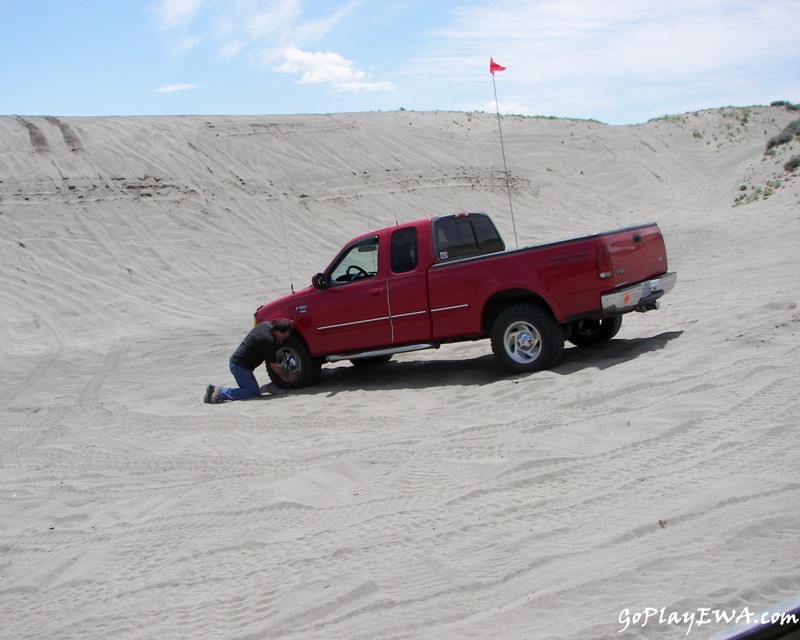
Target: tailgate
{"x":636,"y":253}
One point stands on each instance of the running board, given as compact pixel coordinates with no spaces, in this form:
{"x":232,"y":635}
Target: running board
{"x":382,"y":352}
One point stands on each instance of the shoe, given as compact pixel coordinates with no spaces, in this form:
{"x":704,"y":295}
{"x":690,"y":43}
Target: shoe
{"x":209,"y":394}
{"x":216,"y":396}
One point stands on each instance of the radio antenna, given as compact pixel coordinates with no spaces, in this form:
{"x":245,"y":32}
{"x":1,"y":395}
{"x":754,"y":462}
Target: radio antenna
{"x":286,"y":248}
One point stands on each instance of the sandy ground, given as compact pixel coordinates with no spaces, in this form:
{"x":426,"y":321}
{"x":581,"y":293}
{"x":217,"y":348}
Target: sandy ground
{"x":433,"y":497}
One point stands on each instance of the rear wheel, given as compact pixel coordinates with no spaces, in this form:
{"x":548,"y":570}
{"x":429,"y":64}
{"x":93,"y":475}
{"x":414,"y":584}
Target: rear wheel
{"x":526,"y":337}
{"x":587,"y":332}
{"x":295,"y":358}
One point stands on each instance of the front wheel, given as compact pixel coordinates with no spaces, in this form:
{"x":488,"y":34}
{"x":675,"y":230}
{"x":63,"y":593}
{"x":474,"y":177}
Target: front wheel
{"x":587,"y":332}
{"x":526,"y":338}
{"x":296,"y":358}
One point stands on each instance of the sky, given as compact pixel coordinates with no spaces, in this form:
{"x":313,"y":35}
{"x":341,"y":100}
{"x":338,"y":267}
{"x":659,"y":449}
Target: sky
{"x":616,"y":61}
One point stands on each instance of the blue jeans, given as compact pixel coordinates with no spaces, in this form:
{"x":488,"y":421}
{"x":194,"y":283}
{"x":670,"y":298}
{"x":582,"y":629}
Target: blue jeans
{"x":248,"y":385}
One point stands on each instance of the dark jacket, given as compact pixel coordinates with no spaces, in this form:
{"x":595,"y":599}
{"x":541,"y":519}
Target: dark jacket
{"x":258,"y":346}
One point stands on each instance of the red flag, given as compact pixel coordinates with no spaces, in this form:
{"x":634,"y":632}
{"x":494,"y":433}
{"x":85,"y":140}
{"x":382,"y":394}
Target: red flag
{"x":493,"y":66}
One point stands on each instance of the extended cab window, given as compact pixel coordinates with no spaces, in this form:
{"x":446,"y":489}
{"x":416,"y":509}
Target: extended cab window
{"x":359,"y":262}
{"x":404,"y":250}
{"x":465,"y":236}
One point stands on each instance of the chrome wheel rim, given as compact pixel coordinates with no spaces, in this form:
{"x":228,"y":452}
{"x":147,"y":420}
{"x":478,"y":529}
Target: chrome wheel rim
{"x":289,"y":360}
{"x":523,"y":343}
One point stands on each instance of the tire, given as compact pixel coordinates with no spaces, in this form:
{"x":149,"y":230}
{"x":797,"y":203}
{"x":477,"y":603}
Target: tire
{"x":588,"y":332}
{"x":368,"y":362}
{"x":526,"y":338}
{"x":297,"y":359}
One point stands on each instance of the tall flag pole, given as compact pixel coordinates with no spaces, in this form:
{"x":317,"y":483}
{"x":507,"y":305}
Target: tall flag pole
{"x":493,"y":66}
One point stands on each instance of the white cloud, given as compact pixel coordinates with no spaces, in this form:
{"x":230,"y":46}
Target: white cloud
{"x":231,"y":49}
{"x":310,"y":31}
{"x":170,"y":88}
{"x":187,"y":44}
{"x":325,"y":67}
{"x":264,"y":32}
{"x":256,"y":22}
{"x":258,"y":30}
{"x":177,"y":13}
{"x":319,"y":66}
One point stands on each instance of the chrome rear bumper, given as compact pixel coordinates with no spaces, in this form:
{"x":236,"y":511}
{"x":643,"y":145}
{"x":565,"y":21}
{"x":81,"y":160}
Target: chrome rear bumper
{"x":641,"y":296}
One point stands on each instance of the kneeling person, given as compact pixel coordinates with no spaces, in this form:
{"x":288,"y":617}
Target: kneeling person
{"x":260,"y":345}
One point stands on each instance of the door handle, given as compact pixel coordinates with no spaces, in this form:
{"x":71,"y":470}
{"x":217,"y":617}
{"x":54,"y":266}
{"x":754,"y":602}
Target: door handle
{"x":376,"y":291}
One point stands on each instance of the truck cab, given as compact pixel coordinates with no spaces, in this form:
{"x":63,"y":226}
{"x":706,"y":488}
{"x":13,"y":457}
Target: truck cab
{"x":374,"y":292}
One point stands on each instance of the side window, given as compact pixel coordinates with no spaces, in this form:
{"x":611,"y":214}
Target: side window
{"x":447,"y":241}
{"x":404,"y":250}
{"x":359,"y":262}
{"x":465,"y":236}
{"x":489,"y":241}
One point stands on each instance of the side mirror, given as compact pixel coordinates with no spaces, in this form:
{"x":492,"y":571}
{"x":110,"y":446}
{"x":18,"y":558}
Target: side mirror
{"x":319,"y":281}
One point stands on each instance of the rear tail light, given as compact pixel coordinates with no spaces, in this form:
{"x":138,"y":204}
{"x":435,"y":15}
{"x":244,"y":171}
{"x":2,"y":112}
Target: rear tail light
{"x":603,"y":262}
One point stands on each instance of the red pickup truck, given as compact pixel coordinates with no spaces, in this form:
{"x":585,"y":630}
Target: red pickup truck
{"x":450,"y":278}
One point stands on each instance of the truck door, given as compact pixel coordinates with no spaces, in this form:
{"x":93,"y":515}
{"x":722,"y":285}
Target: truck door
{"x":353,"y":312}
{"x":408,"y":295}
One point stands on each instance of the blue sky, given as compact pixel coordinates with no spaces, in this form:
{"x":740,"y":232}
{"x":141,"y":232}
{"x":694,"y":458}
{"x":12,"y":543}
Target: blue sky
{"x":620,"y":61}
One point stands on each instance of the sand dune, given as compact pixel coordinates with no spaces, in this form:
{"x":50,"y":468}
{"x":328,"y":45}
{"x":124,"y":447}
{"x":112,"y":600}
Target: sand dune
{"x":435,"y":496}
